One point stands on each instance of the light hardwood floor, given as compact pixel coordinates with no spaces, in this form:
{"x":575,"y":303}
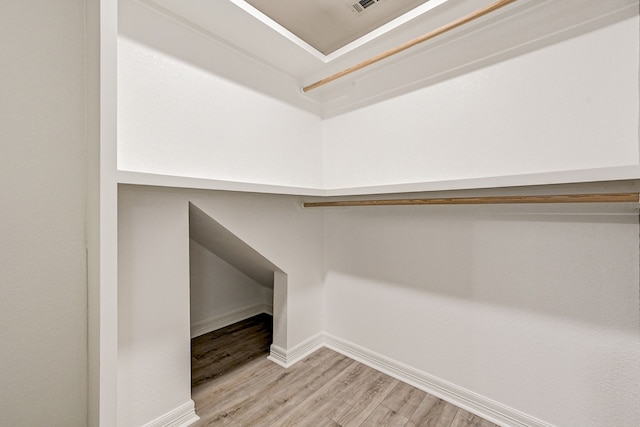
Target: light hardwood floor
{"x":235,"y":385}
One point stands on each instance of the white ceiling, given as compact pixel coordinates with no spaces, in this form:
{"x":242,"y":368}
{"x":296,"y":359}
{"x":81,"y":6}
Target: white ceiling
{"x":255,"y":51}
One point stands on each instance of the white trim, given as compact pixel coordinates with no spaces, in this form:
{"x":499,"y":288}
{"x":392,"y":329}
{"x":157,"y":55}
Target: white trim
{"x":613,"y":173}
{"x":278,"y":355}
{"x":229,"y":318}
{"x":461,"y":397}
{"x":182,"y":416}
{"x":361,"y":41}
{"x":279,"y":29}
{"x":475,"y":403}
{"x":174,"y":181}
{"x":287,"y":358}
{"x":384,"y":29}
{"x":468,"y":400}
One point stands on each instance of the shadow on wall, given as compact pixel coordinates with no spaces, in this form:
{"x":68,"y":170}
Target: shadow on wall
{"x":222,"y":242}
{"x":552,"y":260}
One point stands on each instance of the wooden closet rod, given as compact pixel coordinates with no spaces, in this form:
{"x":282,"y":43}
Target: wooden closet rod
{"x":448,"y":27}
{"x":571,"y":198}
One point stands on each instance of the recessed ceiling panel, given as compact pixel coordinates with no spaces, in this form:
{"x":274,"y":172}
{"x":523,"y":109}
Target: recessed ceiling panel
{"x":328,"y":25}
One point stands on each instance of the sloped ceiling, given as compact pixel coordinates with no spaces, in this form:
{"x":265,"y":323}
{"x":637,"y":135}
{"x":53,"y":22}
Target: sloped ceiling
{"x":226,"y":245}
{"x":272,"y":59}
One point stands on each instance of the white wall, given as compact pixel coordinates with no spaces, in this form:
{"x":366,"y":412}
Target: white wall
{"x":154,"y":374}
{"x":43,"y":295}
{"x":153,"y":289}
{"x":218,"y":288}
{"x":566,"y":107}
{"x":533,"y":307}
{"x":569,"y":106}
{"x":175,"y":118}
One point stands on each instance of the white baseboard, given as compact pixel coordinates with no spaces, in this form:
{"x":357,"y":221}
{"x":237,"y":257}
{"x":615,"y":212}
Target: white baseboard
{"x":278,"y":355}
{"x":461,"y":397}
{"x":182,"y":416}
{"x":486,"y":408}
{"x":287,"y":358}
{"x":221,"y":320}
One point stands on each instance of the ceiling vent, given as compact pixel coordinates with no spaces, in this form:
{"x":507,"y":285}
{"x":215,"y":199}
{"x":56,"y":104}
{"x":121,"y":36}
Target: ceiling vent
{"x":363,"y":4}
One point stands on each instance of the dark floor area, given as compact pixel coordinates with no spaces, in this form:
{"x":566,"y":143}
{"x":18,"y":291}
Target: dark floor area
{"x":226,"y":349}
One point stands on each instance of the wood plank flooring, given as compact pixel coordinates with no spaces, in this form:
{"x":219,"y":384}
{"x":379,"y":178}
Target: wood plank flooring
{"x":226,"y":349}
{"x":235,"y":385}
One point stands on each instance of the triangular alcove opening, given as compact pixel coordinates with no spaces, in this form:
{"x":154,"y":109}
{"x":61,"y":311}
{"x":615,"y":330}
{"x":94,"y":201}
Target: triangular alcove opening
{"x":220,"y":255}
{"x":219,"y":240}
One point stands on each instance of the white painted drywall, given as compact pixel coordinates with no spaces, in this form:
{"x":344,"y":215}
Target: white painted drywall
{"x":153,"y":288}
{"x":176,"y":118}
{"x":569,"y":106}
{"x":153,"y":307}
{"x":43,"y":292}
{"x":533,"y":307}
{"x":101,"y":28}
{"x":267,"y":299}
{"x":218,"y":288}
